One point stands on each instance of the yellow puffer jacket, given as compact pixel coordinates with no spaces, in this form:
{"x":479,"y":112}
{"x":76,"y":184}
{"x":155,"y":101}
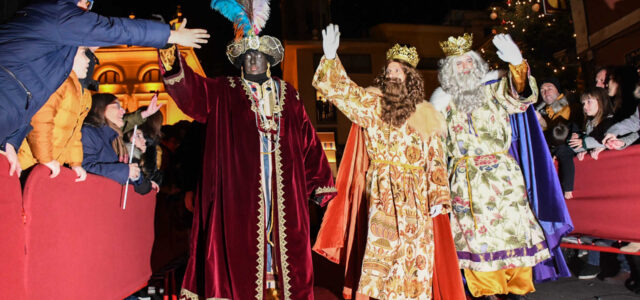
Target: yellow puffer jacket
{"x":56,"y":127}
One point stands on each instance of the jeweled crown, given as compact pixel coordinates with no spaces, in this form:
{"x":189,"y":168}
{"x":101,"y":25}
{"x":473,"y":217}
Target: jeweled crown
{"x":404,"y":53}
{"x":457,"y":46}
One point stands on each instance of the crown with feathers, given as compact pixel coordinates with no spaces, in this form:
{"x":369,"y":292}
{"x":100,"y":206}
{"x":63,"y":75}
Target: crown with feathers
{"x":249,"y":18}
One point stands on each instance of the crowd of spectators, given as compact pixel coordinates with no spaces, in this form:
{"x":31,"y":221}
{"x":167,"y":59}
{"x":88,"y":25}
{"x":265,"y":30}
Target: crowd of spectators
{"x":91,"y":133}
{"x":603,"y":117}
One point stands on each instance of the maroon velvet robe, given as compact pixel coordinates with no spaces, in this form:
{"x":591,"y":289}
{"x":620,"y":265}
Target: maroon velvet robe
{"x":228,"y":244}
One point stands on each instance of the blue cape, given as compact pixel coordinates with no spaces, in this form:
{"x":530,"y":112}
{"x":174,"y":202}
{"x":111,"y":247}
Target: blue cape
{"x":530,"y":149}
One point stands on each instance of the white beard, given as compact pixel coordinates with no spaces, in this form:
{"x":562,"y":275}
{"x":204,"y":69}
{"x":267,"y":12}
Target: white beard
{"x":442,"y":99}
{"x":467,"y":92}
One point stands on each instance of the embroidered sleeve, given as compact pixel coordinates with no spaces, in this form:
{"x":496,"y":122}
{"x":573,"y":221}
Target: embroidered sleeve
{"x":519,"y":75}
{"x":168,"y":57}
{"x":334,"y":84}
{"x":193,"y":93}
{"x":317,"y":171}
{"x":438,"y":182}
{"x":505,"y":91}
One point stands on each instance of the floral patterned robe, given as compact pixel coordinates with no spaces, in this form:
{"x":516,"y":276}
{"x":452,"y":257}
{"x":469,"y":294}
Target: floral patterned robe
{"x":406,"y":178}
{"x":493,"y":225}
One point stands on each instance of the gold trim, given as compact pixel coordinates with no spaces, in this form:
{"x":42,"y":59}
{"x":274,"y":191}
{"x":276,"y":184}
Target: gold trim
{"x":326,"y":189}
{"x":283,"y":93}
{"x":177,"y":78}
{"x":282,"y":235}
{"x":266,"y":44}
{"x":276,"y":108}
{"x":168,"y":57}
{"x":189,"y":295}
{"x":404,"y":53}
{"x":232,"y":82}
{"x":247,"y":91}
{"x":454,"y":46}
{"x":261,"y":225}
{"x":397,"y":164}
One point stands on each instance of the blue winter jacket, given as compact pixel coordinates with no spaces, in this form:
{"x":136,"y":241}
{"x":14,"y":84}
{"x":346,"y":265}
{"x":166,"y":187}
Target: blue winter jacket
{"x":38,"y":47}
{"x":99,"y":156}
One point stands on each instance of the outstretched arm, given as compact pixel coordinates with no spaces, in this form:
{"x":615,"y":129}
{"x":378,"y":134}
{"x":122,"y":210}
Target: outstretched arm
{"x":518,"y":90}
{"x":192,"y":93}
{"x":79,"y":28}
{"x":332,"y":81}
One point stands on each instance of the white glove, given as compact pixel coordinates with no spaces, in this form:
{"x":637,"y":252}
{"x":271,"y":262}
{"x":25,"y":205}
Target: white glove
{"x":435,"y":210}
{"x":507,"y":50}
{"x":330,"y":41}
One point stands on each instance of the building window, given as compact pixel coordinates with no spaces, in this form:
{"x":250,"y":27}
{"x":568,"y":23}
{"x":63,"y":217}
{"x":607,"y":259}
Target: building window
{"x":152,"y":75}
{"x":109,"y":76}
{"x":325,"y":111}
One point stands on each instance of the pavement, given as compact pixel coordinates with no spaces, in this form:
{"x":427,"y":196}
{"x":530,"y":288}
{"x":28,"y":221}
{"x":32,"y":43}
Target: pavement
{"x":577,"y":289}
{"x":328,"y":286}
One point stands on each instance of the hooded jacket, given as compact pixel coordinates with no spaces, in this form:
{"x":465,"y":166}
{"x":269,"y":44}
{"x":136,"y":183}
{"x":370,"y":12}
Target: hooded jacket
{"x":56,"y":127}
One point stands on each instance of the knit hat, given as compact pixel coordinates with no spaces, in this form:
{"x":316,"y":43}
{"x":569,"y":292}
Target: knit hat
{"x":553,"y":81}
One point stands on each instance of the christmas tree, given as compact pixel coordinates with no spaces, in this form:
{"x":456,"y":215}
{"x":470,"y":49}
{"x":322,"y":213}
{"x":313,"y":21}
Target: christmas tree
{"x":547,"y":41}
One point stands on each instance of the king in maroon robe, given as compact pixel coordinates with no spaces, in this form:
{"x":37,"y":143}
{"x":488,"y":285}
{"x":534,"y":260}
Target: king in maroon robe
{"x":231,"y":231}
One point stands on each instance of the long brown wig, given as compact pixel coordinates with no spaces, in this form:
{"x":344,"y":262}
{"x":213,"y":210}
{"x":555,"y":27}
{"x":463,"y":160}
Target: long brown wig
{"x":400,"y":99}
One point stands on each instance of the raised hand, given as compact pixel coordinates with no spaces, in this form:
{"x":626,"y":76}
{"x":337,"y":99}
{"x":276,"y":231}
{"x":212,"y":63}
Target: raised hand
{"x":507,"y":50}
{"x":188,"y":37}
{"x":330,"y":41}
{"x":152,"y":108}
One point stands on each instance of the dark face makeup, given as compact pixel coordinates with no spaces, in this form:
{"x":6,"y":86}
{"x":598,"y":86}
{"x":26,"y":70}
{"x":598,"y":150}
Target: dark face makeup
{"x":255,"y":62}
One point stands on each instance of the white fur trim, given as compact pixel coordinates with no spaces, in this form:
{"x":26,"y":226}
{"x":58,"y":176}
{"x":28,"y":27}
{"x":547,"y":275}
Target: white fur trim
{"x":440,"y":100}
{"x":491,"y":75}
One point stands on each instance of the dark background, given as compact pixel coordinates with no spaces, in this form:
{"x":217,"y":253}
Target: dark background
{"x":355,"y":17}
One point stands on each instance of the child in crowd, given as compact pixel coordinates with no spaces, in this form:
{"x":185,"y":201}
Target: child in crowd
{"x":140,"y":147}
{"x":37,"y":49}
{"x":598,"y":118}
{"x":55,"y":138}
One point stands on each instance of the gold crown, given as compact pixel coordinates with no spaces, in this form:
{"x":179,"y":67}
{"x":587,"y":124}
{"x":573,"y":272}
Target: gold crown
{"x":457,"y":46}
{"x":404,"y":53}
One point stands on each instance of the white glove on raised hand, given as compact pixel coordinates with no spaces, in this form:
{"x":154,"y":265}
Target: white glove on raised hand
{"x":330,"y":41}
{"x":507,"y":50}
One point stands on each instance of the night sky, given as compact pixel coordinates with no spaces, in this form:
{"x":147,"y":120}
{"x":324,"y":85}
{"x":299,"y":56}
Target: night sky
{"x":355,"y":17}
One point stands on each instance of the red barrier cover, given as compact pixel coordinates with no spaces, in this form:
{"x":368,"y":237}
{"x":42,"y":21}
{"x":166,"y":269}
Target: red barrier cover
{"x":12,"y":259}
{"x":606,"y":195}
{"x":80,"y":243}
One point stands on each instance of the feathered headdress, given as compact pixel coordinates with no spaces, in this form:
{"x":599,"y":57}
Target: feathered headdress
{"x":249,"y":18}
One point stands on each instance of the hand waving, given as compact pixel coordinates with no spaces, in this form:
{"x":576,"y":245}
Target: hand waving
{"x":330,"y":41}
{"x":152,"y":108}
{"x":507,"y":50}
